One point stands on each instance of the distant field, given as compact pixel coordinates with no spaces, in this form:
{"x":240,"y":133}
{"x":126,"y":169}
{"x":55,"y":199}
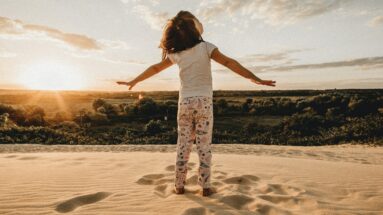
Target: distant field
{"x":291,"y":117}
{"x":73,"y":101}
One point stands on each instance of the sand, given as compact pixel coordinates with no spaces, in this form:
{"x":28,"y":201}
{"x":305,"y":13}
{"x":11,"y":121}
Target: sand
{"x":249,"y":179}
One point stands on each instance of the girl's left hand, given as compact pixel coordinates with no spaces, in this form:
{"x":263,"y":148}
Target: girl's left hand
{"x":130,"y":83}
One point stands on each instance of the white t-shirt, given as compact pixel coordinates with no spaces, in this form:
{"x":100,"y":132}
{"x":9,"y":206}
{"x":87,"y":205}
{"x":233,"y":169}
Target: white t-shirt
{"x":194,"y":70}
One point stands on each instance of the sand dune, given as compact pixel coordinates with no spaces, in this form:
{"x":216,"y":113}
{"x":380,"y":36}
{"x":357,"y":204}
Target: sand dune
{"x":272,"y":180}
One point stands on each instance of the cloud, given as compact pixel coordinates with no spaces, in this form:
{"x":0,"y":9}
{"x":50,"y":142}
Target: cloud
{"x":156,"y":20}
{"x":359,"y":62}
{"x":6,"y":54}
{"x":282,"y":57}
{"x":16,"y":28}
{"x":372,"y":83}
{"x":114,"y":44}
{"x":273,"y":12}
{"x":109,"y":51}
{"x":367,"y":63}
{"x":152,"y":2}
{"x":376,"y":21}
{"x":108,"y":58}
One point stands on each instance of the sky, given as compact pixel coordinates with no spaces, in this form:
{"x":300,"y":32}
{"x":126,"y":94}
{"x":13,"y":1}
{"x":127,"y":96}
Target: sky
{"x":91,"y":44}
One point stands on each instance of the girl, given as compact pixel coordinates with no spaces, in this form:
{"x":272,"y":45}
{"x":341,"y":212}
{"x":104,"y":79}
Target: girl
{"x":183,"y":45}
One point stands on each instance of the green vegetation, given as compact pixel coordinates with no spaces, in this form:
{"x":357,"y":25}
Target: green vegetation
{"x":304,"y":117}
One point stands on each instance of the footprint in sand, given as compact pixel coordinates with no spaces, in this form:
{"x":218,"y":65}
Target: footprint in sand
{"x":280,"y":189}
{"x":195,"y":211}
{"x":245,"y":193}
{"x":73,"y":203}
{"x":193,"y":180}
{"x":172,"y":168}
{"x":290,"y":202}
{"x":219,"y":174}
{"x":28,"y":158}
{"x":243,"y":180}
{"x":268,"y":209}
{"x":231,"y":212}
{"x":242,"y":184}
{"x":11,"y":156}
{"x":163,"y":188}
{"x":237,"y":201}
{"x":165,"y":181}
{"x":120,"y":164}
{"x":81,"y":158}
{"x":153,"y":179}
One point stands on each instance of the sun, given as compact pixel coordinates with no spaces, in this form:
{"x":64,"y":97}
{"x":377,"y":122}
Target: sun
{"x":52,"y":76}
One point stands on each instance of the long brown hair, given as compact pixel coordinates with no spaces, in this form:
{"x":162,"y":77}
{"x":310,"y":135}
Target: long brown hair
{"x":179,"y":34}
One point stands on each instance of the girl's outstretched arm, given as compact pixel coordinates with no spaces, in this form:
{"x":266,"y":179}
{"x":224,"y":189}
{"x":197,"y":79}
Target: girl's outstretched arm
{"x":236,"y":67}
{"x":150,"y":71}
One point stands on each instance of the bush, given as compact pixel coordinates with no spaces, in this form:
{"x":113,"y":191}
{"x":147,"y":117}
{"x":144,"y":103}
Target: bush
{"x":17,"y":115}
{"x":99,"y":119}
{"x":68,"y":126}
{"x":221,"y":106}
{"x":146,"y":106}
{"x":98,"y":103}
{"x":61,"y":116}
{"x":304,"y":124}
{"x":360,"y":107}
{"x":3,"y":119}
{"x":153,"y":127}
{"x":253,"y":128}
{"x":41,"y":135}
{"x":34,"y":116}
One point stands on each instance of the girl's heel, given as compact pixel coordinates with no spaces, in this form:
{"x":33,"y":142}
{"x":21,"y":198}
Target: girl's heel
{"x":207,"y":192}
{"x":179,"y":190}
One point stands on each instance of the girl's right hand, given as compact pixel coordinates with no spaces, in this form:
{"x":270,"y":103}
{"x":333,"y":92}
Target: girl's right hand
{"x":130,"y":83}
{"x":264,"y":82}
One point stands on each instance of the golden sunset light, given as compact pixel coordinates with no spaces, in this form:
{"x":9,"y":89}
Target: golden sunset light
{"x":51,"y":76}
{"x":191,"y":107}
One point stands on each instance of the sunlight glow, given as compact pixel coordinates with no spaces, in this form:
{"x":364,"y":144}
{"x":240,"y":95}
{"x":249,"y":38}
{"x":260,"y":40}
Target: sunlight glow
{"x":52,"y":76}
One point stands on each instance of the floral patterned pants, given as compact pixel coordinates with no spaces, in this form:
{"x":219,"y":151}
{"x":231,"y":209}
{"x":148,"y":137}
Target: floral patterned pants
{"x":195,"y":123}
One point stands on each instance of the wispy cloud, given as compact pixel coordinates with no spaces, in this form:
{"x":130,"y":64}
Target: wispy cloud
{"x":114,"y":44}
{"x":346,"y":83}
{"x":156,"y":20}
{"x":152,"y":2}
{"x":14,"y":28}
{"x":366,"y":63}
{"x":273,"y":12}
{"x":84,"y":46}
{"x":104,"y":57}
{"x":6,"y":54}
{"x":376,"y":21}
{"x":282,"y":57}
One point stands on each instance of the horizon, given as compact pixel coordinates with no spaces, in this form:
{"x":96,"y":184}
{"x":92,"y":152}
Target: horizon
{"x":303,"y":45}
{"x":176,"y":91}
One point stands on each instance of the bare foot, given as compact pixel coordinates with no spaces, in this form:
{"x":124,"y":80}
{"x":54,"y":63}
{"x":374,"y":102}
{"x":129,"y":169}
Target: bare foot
{"x":179,"y":190}
{"x":207,"y":191}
